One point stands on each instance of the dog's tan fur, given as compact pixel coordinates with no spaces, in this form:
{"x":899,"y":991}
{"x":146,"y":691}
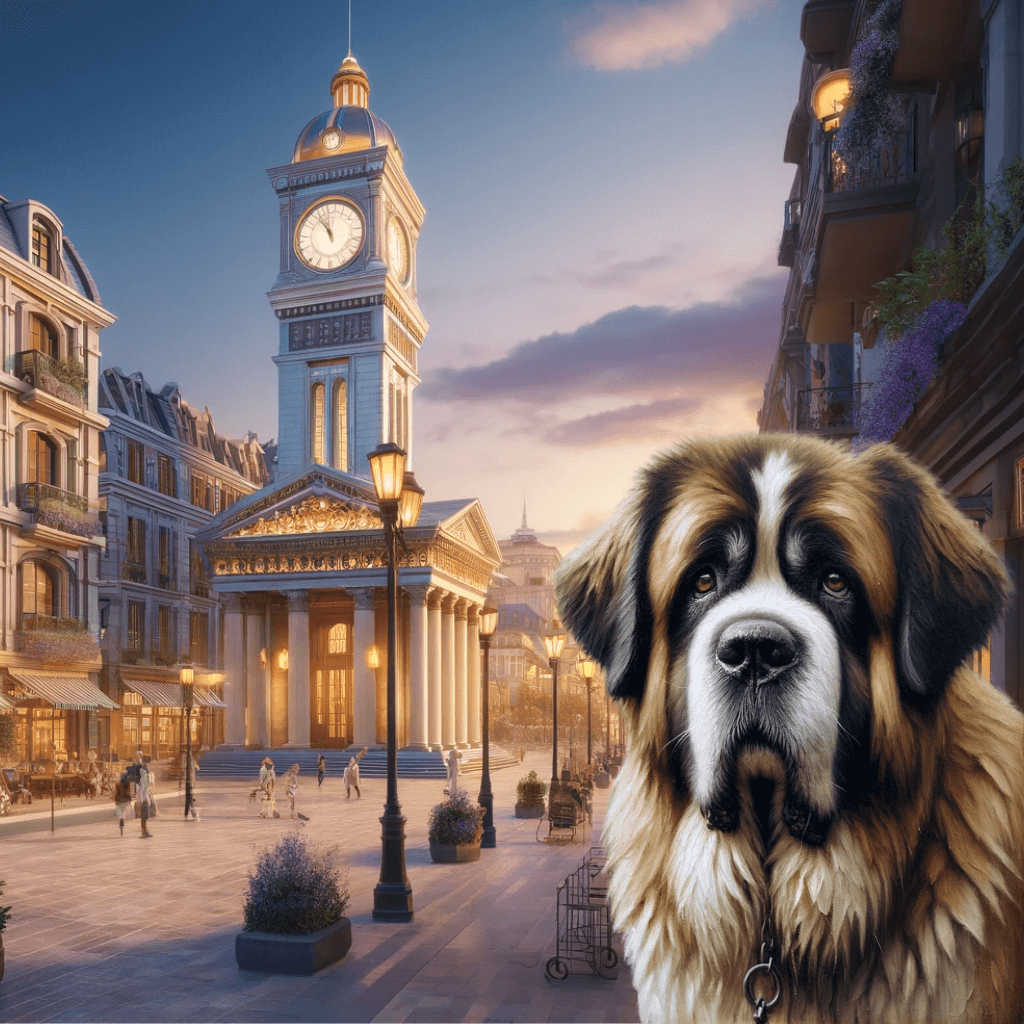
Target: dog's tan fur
{"x":913,"y":909}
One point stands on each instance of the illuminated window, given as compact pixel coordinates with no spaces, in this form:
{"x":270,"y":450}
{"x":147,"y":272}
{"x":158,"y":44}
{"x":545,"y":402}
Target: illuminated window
{"x":42,"y":459}
{"x":42,"y":337}
{"x":42,"y":245}
{"x":39,"y":590}
{"x":136,"y":463}
{"x":337,"y":639}
{"x":199,"y":637}
{"x":166,"y":477}
{"x":317,"y":424}
{"x":136,"y":632}
{"x":340,"y":441}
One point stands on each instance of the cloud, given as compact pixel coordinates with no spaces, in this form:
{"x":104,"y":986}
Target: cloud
{"x":640,"y":353}
{"x":650,"y":421}
{"x":622,"y":274}
{"x":634,"y":35}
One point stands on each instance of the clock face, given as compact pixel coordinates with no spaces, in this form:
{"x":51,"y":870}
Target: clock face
{"x":398,"y":248}
{"x":331,"y":139}
{"x":329,"y":235}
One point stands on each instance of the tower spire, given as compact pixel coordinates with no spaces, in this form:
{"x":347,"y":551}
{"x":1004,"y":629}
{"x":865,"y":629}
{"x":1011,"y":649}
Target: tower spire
{"x":349,"y":28}
{"x":525,"y":527}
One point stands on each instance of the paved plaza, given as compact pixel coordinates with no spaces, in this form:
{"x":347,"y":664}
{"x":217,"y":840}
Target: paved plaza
{"x":112,"y":928}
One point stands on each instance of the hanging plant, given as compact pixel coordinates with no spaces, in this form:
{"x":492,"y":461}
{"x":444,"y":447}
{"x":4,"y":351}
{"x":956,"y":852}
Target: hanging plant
{"x":60,"y":515}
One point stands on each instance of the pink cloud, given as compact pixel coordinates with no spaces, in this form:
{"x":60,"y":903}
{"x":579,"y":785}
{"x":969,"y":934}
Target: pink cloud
{"x":629,"y":36}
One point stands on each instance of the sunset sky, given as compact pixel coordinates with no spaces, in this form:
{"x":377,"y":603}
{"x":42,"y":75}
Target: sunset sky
{"x":604,"y":189}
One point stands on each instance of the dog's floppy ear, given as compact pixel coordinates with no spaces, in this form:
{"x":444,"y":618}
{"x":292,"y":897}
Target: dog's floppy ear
{"x":951,"y":584}
{"x":601,"y":589}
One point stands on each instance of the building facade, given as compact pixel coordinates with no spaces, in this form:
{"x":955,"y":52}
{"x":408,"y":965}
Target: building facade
{"x":301,"y":563}
{"x":164,"y":473}
{"x":50,"y":322}
{"x":956,"y":79}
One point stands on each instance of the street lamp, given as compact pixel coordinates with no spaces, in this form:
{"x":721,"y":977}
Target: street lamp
{"x":553,"y":643}
{"x":587,"y":670}
{"x":399,"y":499}
{"x":187,"y":676}
{"x":488,"y":619}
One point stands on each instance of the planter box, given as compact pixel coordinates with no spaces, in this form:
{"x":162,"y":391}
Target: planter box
{"x":601,"y":780}
{"x":293,"y":954}
{"x":530,"y":811}
{"x":441,"y":853}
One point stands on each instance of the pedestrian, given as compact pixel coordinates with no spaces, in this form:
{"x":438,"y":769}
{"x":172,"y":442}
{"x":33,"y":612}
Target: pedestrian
{"x":352,"y":778}
{"x":291,"y":784}
{"x":522,"y":754}
{"x":267,"y":779}
{"x":143,"y":797}
{"x":191,"y":766}
{"x":122,"y":800}
{"x":320,"y":768}
{"x":454,"y":756}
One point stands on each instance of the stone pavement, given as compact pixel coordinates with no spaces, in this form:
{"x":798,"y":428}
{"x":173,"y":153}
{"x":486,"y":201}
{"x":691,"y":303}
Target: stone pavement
{"x":112,"y":928}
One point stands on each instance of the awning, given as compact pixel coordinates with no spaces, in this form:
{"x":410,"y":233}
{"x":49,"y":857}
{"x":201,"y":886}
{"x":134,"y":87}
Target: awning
{"x":168,"y":695}
{"x":6,"y":704}
{"x":67,"y":692}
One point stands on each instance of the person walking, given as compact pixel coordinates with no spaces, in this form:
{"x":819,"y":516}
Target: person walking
{"x":267,"y":780}
{"x":191,"y":766}
{"x":144,"y":797}
{"x":122,"y":799}
{"x":352,"y":778}
{"x":291,"y":785}
{"x":320,"y":769}
{"x":454,"y":756}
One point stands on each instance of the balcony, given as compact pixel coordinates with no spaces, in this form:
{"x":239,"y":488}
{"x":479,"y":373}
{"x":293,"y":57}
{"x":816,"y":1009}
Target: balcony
{"x":867,"y":214}
{"x":830,"y":412}
{"x":134,"y":572}
{"x":59,"y":640}
{"x":60,"y":518}
{"x":790,"y":232}
{"x":166,"y":580}
{"x":825,"y":28}
{"x":931,"y":39}
{"x":200,"y":588}
{"x":47,"y":374}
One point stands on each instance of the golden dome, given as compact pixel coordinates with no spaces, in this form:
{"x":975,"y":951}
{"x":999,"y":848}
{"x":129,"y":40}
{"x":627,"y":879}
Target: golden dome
{"x":350,"y":125}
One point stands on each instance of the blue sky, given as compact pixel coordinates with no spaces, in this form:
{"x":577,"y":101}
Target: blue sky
{"x":603,"y":184}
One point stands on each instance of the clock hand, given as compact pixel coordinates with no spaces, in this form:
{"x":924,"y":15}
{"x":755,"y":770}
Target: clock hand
{"x":327,"y":228}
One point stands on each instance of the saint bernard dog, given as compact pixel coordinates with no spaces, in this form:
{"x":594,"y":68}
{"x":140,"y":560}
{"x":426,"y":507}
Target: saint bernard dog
{"x":813,"y":772}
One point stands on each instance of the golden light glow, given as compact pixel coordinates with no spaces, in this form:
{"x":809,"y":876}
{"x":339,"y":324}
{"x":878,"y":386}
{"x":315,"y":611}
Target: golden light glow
{"x":387,"y":464}
{"x":830,"y":96}
{"x":587,"y":668}
{"x":554,"y":642}
{"x":411,"y":501}
{"x":372,"y":657}
{"x":282,"y":659}
{"x":186,"y":674}
{"x":488,"y":621}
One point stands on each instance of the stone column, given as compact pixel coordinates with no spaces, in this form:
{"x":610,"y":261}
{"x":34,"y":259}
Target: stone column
{"x":257,"y":676}
{"x":448,"y":671}
{"x":298,"y":668}
{"x":434,"y":669}
{"x":473,"y":675}
{"x":234,"y":672}
{"x":418,"y":667}
{"x":461,"y":707}
{"x":364,"y":679}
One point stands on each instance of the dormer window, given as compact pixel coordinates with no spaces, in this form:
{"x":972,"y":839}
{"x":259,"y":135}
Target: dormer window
{"x":44,"y":246}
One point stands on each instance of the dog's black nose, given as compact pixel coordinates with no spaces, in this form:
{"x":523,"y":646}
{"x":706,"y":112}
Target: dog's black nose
{"x":756,"y":651}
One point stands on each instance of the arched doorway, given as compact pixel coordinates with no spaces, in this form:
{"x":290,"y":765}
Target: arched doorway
{"x":331,"y":699}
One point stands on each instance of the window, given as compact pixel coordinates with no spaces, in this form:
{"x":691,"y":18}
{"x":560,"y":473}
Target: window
{"x":103,"y":452}
{"x":337,"y":639}
{"x":200,"y":586}
{"x":317,"y":425}
{"x":339,"y":443}
{"x":39,"y":592}
{"x":136,"y":463}
{"x":42,"y":459}
{"x":166,"y":476}
{"x":199,"y":637}
{"x":165,"y":636}
{"x":165,"y":558}
{"x":135,"y":554}
{"x":42,"y":245}
{"x":202,"y":492}
{"x":42,"y":337}
{"x":135,"y":635}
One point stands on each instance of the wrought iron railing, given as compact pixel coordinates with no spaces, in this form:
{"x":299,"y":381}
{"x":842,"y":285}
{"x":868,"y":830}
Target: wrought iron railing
{"x":166,"y":580}
{"x":44,"y":372}
{"x":831,"y":409}
{"x":200,"y":588}
{"x":892,"y":164}
{"x":33,"y":622}
{"x":31,"y":494}
{"x":134,"y":572}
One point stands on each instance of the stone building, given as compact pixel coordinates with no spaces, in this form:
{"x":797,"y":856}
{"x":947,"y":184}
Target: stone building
{"x":957,"y":76}
{"x":50,"y":321}
{"x":164,"y":473}
{"x":301,"y":563}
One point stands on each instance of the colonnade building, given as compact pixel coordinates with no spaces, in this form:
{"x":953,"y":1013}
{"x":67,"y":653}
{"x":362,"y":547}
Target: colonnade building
{"x":301,"y":563}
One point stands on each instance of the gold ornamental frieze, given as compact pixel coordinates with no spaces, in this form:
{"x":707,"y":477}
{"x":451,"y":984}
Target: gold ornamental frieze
{"x":313,"y":515}
{"x":312,"y":560}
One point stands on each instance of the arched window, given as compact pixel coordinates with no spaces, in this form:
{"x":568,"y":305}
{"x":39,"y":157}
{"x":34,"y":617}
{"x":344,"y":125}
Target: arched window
{"x":42,"y":459}
{"x":43,"y":245}
{"x":42,"y":337}
{"x":40,"y":592}
{"x":339,"y":402}
{"x":337,"y":639}
{"x":316,"y":434}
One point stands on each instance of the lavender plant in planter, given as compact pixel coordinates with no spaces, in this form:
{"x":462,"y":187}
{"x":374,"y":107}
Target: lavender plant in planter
{"x":294,"y":921}
{"x":455,"y":829}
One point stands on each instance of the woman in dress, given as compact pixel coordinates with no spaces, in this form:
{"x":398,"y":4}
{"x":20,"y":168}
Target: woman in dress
{"x":267,"y":780}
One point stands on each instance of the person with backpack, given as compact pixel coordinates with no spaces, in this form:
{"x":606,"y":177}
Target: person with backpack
{"x":122,"y":799}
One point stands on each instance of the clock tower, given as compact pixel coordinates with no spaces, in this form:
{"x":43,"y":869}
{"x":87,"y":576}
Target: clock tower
{"x":345,"y":298}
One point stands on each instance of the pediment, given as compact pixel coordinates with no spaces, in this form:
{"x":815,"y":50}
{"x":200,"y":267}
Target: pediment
{"x":313,"y":514}
{"x":469,"y":526}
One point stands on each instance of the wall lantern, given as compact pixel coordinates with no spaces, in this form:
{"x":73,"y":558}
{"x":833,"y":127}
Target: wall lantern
{"x":969,"y":128}
{"x":830,"y":96}
{"x":282,"y":659}
{"x":372,"y":657}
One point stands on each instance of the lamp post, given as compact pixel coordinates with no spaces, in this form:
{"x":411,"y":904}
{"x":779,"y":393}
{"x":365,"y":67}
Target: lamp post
{"x":607,"y":726}
{"x":488,"y":619}
{"x":587,"y":670}
{"x":187,"y":676}
{"x":399,"y":498}
{"x":553,"y":643}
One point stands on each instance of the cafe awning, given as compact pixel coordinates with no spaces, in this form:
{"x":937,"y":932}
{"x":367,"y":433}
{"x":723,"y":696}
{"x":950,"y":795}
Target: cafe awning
{"x":64,"y":691}
{"x":6,"y":704}
{"x":168,"y":695}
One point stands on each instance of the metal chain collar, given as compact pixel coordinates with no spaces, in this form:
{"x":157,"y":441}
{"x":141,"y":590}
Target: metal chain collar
{"x":768,"y":967}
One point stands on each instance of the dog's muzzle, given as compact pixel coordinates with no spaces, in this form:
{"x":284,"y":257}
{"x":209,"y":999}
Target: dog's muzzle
{"x":756,"y":652}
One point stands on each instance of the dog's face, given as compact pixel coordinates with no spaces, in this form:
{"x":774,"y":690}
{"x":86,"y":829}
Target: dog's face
{"x":751,"y":588}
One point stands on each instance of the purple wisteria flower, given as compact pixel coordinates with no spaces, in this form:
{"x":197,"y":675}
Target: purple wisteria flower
{"x":908,"y":366}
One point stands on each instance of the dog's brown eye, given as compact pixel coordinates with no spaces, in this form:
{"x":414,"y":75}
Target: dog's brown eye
{"x":706,"y":582}
{"x":835,"y":584}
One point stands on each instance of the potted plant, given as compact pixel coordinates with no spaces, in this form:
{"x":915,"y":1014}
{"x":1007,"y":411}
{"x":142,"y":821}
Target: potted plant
{"x":455,"y":829}
{"x":294,"y":921}
{"x":5,"y":913}
{"x":530,"y":793}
